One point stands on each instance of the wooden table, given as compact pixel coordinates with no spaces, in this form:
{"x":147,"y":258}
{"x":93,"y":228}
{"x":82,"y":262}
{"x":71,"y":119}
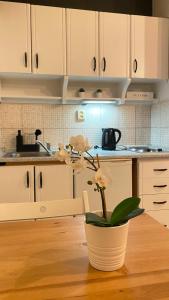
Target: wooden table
{"x":47,"y":260}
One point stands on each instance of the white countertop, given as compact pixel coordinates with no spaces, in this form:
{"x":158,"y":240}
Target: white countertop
{"x":103,"y":154}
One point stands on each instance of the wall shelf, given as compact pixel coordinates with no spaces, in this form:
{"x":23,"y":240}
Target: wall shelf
{"x":64,"y":90}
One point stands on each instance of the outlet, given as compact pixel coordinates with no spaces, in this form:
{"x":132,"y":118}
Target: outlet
{"x":80,"y":115}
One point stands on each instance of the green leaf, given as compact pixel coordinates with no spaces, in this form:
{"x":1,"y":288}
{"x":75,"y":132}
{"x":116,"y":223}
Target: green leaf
{"x":123,"y":209}
{"x":96,"y":220}
{"x":134,"y":213}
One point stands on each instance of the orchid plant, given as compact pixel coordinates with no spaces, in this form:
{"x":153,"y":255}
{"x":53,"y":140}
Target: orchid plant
{"x":77,"y":155}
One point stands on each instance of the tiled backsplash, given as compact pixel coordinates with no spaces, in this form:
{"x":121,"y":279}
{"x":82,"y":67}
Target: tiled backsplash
{"x":58,"y":123}
{"x":160,"y":124}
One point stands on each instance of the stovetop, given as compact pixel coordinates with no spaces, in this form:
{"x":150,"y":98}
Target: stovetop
{"x":143,"y":149}
{"x":138,"y":149}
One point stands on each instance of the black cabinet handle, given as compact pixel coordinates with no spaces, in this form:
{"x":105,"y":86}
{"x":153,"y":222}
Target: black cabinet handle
{"x":160,"y":186}
{"x":94,"y":63}
{"x":160,"y":170}
{"x":26,"y":59}
{"x":37,"y":60}
{"x":41,"y":180}
{"x":104,"y":64}
{"x":135,"y":65}
{"x":27,"y":179}
{"x":160,"y":202}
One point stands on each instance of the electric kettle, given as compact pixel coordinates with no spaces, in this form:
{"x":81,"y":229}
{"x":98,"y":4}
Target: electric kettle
{"x":110,"y":138}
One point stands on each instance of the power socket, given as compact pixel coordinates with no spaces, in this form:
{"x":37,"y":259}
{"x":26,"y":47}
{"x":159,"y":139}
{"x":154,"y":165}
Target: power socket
{"x":80,"y":115}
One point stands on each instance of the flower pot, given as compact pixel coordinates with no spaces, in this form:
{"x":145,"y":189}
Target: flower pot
{"x":106,"y":246}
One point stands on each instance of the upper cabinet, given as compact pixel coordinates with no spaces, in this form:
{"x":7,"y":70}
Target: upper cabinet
{"x":82,"y":42}
{"x":97,"y":46}
{"x":15,"y":49}
{"x":114,"y":30}
{"x":48,"y":40}
{"x":149,"y":37}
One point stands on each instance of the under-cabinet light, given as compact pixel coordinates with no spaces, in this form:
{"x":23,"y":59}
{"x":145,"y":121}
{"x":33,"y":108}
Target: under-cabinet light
{"x":99,"y":102}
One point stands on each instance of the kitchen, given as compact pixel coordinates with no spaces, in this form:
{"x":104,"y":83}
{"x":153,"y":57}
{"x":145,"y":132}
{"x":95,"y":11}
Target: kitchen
{"x":68,"y":97}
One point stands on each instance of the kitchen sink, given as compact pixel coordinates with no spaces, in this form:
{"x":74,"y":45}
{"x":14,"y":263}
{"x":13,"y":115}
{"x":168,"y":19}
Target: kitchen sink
{"x":26,"y":154}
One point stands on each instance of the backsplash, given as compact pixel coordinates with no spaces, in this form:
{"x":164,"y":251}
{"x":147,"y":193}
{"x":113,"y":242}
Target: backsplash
{"x":58,"y":123}
{"x":160,"y":124}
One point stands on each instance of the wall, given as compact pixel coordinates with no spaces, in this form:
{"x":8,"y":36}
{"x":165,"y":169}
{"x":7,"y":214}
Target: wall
{"x":58,"y":123}
{"x":160,"y":111}
{"x":142,"y":7}
{"x":160,"y":116}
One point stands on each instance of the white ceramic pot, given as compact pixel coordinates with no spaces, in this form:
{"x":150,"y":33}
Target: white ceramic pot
{"x":106,"y":246}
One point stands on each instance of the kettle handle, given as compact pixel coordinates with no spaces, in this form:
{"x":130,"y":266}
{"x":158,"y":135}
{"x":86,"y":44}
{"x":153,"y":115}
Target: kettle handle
{"x":119,"y":137}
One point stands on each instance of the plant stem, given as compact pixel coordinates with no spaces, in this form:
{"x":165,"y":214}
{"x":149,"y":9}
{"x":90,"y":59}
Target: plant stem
{"x":97,"y":157}
{"x":103,"y":203}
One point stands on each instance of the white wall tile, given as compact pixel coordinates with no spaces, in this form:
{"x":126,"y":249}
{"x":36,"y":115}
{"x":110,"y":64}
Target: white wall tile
{"x":53,"y":116}
{"x":10,"y":116}
{"x":143,"y":136}
{"x":156,"y":115}
{"x":32,"y":116}
{"x":155,"y":136}
{"x":143,"y":116}
{"x":59,"y":122}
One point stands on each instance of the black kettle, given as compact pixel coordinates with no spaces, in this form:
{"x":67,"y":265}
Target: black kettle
{"x":109,"y":138}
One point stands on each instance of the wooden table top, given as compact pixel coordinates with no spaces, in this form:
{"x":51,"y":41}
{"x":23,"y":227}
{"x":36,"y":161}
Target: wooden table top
{"x":47,"y":260}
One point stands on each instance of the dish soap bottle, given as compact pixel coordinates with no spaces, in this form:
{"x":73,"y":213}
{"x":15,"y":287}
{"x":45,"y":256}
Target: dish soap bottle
{"x":19,"y":141}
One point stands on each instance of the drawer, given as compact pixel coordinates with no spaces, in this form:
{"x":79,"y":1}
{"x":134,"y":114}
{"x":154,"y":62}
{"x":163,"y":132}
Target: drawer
{"x":155,"y":168}
{"x":155,"y":202}
{"x":155,"y":186}
{"x":162,"y":216}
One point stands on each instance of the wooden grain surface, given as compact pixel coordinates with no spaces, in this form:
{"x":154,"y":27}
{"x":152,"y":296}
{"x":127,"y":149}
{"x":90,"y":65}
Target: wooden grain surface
{"x":47,"y":260}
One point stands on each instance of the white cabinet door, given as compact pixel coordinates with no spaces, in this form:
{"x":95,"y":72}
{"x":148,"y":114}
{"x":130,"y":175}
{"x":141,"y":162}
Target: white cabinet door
{"x":16,"y":184}
{"x":119,"y":174}
{"x":48,"y":40}
{"x":82,"y":42}
{"x":149,"y":47}
{"x":15,"y":49}
{"x":53,"y":182}
{"x":114,"y":44}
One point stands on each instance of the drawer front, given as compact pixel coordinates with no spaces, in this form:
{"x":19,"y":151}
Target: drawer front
{"x":162,"y":216}
{"x":155,"y":168}
{"x":155,"y":186}
{"x":155,"y":202}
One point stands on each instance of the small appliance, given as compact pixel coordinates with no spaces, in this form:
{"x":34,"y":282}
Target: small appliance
{"x":110,"y":138}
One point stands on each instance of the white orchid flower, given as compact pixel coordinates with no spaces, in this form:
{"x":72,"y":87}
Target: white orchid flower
{"x":62,"y":154}
{"x":100,"y":179}
{"x":79,"y":143}
{"x":79,"y":164}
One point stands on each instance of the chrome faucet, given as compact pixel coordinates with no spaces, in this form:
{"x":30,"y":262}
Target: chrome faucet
{"x":44,"y":147}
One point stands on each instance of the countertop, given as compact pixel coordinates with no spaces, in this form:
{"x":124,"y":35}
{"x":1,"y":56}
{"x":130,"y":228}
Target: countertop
{"x":47,"y":259}
{"x":103,"y":154}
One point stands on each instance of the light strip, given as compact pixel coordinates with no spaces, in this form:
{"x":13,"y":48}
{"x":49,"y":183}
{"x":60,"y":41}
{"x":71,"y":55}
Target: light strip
{"x":99,"y":102}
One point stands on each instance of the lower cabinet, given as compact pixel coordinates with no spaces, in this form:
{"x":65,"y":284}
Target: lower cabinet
{"x":153,"y":188}
{"x":119,"y":174}
{"x":32,"y":191}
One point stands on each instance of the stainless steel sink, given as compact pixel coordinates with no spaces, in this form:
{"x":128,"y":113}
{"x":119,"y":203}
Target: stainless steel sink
{"x":26,"y":154}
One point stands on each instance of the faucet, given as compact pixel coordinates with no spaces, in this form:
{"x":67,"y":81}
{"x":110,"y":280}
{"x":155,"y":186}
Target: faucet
{"x":44,"y":147}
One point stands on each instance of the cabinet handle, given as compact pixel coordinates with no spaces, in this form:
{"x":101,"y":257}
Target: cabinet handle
{"x":37,"y":60}
{"x":160,"y":186}
{"x":94,"y":63}
{"x":160,"y":170}
{"x":41,"y":180}
{"x":104,"y":64}
{"x":27,"y":179}
{"x":135,"y":65}
{"x":160,"y":202}
{"x":26,"y":59}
